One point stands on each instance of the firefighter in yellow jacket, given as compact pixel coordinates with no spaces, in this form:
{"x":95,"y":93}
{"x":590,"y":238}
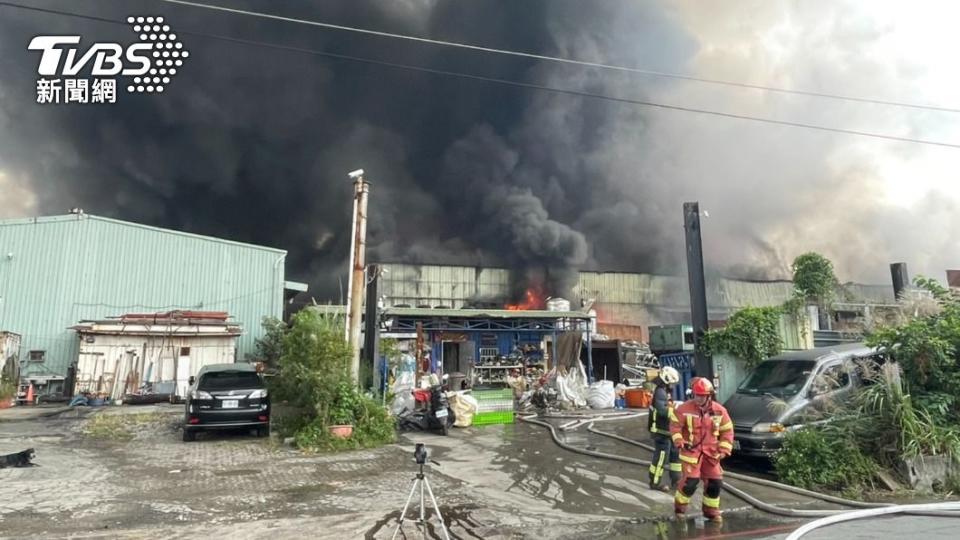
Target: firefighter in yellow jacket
{"x":703,"y":432}
{"x":665,"y":454}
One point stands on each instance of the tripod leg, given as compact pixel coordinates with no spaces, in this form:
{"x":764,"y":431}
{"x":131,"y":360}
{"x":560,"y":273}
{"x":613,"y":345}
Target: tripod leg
{"x":423,"y":508}
{"x":403,"y":513}
{"x":436,"y":507}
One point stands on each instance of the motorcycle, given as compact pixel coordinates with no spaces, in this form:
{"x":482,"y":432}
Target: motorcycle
{"x":434,"y":414}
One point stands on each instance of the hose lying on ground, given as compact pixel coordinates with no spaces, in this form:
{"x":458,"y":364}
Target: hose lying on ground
{"x":758,"y":481}
{"x":778,"y":485}
{"x":766,"y":507}
{"x":606,"y":418}
{"x":874,"y":512}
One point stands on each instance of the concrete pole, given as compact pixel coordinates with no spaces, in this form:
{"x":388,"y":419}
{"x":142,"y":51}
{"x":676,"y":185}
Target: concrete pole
{"x":355,"y":292}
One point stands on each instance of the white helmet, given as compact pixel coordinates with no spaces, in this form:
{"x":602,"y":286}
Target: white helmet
{"x":669,"y":375}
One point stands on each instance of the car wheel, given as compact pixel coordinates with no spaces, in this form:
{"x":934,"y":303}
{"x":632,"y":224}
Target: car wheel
{"x":189,"y":436}
{"x":263,"y":432}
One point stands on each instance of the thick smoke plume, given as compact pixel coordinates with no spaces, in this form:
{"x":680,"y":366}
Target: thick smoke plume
{"x":253,"y":144}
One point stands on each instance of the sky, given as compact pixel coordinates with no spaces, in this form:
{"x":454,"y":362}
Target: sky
{"x":253,"y":143}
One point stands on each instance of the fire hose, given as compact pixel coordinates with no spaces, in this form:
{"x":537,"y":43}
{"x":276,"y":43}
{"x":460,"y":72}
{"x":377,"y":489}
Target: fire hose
{"x":753,"y":501}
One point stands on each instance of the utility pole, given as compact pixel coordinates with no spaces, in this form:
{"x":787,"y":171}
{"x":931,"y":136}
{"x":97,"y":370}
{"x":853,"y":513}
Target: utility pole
{"x":698,"y":288}
{"x":361,"y":190}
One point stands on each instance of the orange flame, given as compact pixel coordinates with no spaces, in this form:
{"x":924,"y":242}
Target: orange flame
{"x":533,"y":298}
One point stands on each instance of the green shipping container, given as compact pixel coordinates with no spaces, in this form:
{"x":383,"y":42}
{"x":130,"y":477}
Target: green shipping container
{"x":671,"y":338}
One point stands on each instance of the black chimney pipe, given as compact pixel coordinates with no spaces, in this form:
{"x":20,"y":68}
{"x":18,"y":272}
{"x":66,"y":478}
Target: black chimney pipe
{"x":371,"y":328}
{"x":898,"y":271}
{"x":698,"y":288}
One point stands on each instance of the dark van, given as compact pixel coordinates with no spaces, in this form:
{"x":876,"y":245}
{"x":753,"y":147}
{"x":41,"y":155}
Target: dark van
{"x":789,"y":390}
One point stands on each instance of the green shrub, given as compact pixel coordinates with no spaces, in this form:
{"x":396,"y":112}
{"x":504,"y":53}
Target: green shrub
{"x":314,"y":377}
{"x":812,"y":459}
{"x":373,"y":427}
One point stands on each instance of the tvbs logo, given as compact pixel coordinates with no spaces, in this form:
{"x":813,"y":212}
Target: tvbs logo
{"x":149,"y":64}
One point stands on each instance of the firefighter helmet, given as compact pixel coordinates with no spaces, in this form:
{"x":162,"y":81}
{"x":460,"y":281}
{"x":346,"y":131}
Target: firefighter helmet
{"x":702,"y":387}
{"x":669,"y":375}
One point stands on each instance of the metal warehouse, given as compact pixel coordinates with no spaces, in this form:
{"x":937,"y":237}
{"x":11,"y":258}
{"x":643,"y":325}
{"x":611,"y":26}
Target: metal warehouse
{"x":58,"y":271}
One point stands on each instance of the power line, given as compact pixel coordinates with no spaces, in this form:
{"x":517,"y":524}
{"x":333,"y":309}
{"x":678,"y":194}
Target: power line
{"x":561,"y":60}
{"x":518,"y":84}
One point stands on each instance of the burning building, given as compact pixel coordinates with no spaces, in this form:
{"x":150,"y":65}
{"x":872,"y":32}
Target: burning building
{"x":626,"y":304}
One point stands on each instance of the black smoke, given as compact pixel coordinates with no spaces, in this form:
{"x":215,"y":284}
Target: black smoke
{"x":253,"y":143}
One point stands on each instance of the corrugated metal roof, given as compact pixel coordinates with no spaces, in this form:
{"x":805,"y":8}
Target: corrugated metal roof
{"x":64,"y":269}
{"x":92,"y":217}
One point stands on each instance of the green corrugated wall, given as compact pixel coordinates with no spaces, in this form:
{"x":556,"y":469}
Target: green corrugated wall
{"x":56,"y":271}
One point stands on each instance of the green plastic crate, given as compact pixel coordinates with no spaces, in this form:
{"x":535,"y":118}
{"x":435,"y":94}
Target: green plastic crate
{"x":486,"y":395}
{"x":493,"y":418}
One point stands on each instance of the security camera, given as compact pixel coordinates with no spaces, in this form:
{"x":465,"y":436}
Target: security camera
{"x":356,"y":174}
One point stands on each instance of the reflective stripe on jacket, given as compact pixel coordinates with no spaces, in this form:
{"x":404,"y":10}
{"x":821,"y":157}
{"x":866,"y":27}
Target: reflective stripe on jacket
{"x":708,"y":431}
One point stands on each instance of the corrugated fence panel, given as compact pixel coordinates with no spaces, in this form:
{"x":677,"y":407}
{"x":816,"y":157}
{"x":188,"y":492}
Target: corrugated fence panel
{"x":65,"y":269}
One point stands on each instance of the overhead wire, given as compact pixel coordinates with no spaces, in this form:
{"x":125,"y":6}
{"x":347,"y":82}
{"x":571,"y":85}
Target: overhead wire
{"x":519,"y":84}
{"x":557,"y":59}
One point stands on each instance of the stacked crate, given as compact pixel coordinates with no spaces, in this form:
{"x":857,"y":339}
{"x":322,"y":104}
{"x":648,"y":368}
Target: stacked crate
{"x":494,"y":407}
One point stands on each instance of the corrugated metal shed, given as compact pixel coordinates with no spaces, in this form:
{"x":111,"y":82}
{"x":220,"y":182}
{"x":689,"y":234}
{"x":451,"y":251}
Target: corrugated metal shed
{"x":622,"y":299}
{"x":57,"y":271}
{"x":449,"y":286}
{"x":669,"y":291}
{"x":485,"y":313}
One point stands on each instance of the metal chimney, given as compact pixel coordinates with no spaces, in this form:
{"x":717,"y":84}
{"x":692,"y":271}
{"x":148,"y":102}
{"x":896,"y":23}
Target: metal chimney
{"x":698,"y":289}
{"x":901,"y":280}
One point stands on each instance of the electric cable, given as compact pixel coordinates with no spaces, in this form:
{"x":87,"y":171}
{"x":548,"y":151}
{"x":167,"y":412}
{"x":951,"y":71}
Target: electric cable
{"x":529,"y":86}
{"x":557,"y":59}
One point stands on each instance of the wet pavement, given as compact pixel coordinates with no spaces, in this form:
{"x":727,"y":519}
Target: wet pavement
{"x":490,"y":482}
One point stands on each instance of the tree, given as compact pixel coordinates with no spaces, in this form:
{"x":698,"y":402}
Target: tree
{"x":269,"y":348}
{"x":315,"y":361}
{"x":814,"y":279}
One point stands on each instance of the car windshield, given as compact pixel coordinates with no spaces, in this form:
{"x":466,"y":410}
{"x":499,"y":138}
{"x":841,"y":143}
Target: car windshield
{"x":230,"y":380}
{"x":781,"y":378}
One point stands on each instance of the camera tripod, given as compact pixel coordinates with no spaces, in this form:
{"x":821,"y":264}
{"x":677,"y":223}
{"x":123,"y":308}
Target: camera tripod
{"x":421,"y":480}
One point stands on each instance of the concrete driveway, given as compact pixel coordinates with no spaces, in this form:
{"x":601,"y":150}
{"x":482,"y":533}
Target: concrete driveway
{"x":124,"y":473}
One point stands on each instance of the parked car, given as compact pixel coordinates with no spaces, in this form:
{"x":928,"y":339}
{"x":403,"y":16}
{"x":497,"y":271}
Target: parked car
{"x":791,"y":390}
{"x":226,"y":396}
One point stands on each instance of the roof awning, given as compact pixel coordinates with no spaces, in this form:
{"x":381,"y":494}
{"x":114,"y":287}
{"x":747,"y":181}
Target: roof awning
{"x":295,"y":286}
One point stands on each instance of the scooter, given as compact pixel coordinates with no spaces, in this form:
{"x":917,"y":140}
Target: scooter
{"x":436,"y":414}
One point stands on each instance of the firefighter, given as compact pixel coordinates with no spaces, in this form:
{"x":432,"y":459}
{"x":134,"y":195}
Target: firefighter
{"x":665,"y":454}
{"x":703,"y":432}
